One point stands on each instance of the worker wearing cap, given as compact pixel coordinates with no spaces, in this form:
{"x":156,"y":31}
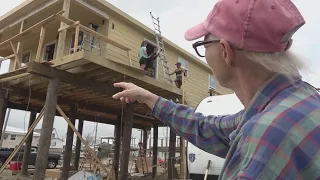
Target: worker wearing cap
{"x":179,"y":73}
{"x":247,"y":46}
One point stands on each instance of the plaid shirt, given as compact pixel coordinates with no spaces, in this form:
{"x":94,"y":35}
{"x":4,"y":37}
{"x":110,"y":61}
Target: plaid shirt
{"x":276,"y":137}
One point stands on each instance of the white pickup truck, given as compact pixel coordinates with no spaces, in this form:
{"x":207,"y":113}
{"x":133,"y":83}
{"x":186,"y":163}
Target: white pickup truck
{"x":197,"y":158}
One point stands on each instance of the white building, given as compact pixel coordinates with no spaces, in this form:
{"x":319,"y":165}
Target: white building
{"x":57,"y":144}
{"x":13,"y":137}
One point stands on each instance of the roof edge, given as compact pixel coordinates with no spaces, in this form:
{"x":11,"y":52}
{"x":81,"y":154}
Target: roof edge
{"x":17,"y":8}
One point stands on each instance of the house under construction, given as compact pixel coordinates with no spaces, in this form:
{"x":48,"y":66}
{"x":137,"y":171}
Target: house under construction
{"x":65,"y":56}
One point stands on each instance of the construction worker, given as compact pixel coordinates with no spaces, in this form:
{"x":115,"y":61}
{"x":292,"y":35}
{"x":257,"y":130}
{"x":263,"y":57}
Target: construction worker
{"x":179,"y":73}
{"x":143,"y":55}
{"x":247,"y":46}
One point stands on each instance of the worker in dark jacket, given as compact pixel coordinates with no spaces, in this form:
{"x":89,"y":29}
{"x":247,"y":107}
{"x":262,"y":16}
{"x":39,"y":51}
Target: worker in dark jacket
{"x":179,"y":72}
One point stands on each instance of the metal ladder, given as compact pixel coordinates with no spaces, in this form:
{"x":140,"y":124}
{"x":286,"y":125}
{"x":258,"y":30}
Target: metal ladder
{"x":161,"y":50}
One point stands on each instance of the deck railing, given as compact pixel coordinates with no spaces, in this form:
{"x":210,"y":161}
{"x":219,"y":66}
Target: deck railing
{"x":69,"y":23}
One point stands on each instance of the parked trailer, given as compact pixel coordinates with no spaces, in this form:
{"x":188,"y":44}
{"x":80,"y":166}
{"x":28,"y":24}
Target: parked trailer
{"x":197,"y":158}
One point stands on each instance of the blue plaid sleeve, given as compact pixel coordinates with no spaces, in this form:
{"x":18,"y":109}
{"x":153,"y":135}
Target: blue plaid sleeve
{"x":209,"y":133}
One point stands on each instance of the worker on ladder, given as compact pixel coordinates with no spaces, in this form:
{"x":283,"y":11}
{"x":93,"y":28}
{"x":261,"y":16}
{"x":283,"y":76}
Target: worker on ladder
{"x":179,"y":73}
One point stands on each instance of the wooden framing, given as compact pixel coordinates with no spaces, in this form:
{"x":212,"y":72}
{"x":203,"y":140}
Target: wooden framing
{"x":46,"y":129}
{"x":27,"y":148}
{"x":155,"y":150}
{"x":76,"y":37}
{"x":49,"y":72}
{"x":63,"y":34}
{"x":69,"y":143}
{"x":127,"y":131}
{"x":32,"y":13}
{"x":92,"y":9}
{"x":23,"y":35}
{"x":110,"y":174}
{"x":40,"y":46}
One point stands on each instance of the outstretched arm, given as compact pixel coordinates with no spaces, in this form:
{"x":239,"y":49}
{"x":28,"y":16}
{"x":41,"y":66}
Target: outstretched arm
{"x":209,"y":133}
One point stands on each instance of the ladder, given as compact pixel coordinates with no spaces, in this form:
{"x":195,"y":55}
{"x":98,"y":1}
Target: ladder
{"x":161,"y":50}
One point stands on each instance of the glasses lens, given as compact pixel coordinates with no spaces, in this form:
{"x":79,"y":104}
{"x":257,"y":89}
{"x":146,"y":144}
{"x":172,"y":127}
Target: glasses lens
{"x":201,"y":51}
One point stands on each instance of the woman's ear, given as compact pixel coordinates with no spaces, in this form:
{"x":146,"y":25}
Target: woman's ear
{"x":227,"y":52}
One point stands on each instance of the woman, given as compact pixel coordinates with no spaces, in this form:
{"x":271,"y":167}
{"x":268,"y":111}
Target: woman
{"x":277,"y":135}
{"x":143,"y":55}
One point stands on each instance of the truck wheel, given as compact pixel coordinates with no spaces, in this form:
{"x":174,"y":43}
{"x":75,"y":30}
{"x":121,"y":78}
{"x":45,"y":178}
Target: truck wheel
{"x":52,"y":164}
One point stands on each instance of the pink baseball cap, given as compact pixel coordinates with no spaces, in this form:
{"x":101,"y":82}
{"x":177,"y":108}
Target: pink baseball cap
{"x":254,"y":25}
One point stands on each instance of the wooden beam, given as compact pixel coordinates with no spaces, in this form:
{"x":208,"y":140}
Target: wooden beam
{"x":68,"y":26}
{"x":117,"y":147}
{"x":46,"y":130}
{"x":155,"y":151}
{"x":38,"y":96}
{"x":132,"y":72}
{"x":8,"y":57}
{"x":145,"y":141}
{"x":78,"y":144}
{"x":94,"y":33}
{"x":172,"y":152}
{"x":74,"y":79}
{"x":15,"y":52}
{"x":69,"y":142}
{"x":76,"y":38}
{"x":111,"y":175}
{"x":17,"y":148}
{"x":183,"y":167}
{"x":28,"y":15}
{"x":3,"y":108}
{"x":27,"y":147}
{"x":126,"y":140}
{"x":93,"y":9}
{"x":63,"y":34}
{"x":41,"y":41}
{"x":25,"y":33}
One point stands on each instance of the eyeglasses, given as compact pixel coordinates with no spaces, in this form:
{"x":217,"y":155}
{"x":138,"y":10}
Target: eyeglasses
{"x":196,"y":46}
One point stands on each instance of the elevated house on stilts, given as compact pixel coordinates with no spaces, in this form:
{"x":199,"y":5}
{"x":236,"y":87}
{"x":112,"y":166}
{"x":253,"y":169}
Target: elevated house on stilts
{"x":65,"y":56}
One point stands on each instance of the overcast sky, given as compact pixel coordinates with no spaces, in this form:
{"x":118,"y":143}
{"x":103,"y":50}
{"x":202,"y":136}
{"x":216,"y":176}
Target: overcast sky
{"x":175,"y":18}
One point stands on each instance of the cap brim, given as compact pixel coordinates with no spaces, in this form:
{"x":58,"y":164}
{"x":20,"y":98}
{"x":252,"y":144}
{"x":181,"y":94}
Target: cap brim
{"x":196,"y":32}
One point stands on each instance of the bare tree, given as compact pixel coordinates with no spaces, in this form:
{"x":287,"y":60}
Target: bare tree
{"x":90,"y":139}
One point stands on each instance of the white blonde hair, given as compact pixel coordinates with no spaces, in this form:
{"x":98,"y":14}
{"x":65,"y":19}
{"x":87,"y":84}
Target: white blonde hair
{"x":286,"y":63}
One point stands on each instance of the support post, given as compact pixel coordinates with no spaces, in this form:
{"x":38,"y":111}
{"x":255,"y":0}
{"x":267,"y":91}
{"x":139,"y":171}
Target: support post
{"x":46,"y":131}
{"x":76,"y":39}
{"x":155,"y":150}
{"x":41,"y":41}
{"x":183,"y":167}
{"x":28,"y":144}
{"x":145,"y":142}
{"x":78,"y":145}
{"x":172,"y":152}
{"x":3,"y":108}
{"x":117,"y":147}
{"x":127,"y":131}
{"x":63,"y":34}
{"x":69,"y":142}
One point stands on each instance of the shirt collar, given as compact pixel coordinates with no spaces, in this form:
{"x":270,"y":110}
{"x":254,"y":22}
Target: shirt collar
{"x":267,"y":92}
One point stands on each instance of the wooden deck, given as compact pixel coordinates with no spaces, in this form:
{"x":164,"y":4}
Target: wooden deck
{"x":87,"y":80}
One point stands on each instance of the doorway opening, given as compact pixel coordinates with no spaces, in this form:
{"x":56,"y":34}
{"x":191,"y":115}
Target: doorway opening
{"x":49,"y":51}
{"x":152,"y":62}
